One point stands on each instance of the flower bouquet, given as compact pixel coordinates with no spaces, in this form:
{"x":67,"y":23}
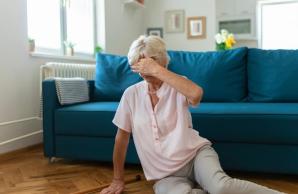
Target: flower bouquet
{"x":224,"y":40}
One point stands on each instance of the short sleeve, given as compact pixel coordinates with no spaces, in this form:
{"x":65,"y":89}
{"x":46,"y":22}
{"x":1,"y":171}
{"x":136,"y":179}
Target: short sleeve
{"x":183,"y":99}
{"x":122,"y":118}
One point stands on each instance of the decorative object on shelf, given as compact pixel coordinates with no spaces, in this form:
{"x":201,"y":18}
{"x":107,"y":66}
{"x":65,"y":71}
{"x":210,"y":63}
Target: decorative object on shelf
{"x":141,"y":1}
{"x":174,"y":21}
{"x":31,"y":45}
{"x":155,"y":31}
{"x":135,"y":3}
{"x":69,"y":46}
{"x":242,"y":28}
{"x":239,"y":17}
{"x":196,"y":27}
{"x":224,"y":40}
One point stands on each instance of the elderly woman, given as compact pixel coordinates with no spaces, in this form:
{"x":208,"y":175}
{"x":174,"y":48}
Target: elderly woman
{"x":156,"y":112}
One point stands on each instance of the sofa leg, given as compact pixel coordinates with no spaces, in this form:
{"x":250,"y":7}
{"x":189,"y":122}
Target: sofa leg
{"x":52,"y":160}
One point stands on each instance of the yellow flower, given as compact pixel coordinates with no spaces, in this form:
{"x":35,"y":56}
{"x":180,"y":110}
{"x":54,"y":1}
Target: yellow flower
{"x":228,"y":44}
{"x":230,"y":41}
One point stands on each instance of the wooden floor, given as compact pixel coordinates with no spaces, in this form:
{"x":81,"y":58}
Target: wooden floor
{"x":27,"y":171}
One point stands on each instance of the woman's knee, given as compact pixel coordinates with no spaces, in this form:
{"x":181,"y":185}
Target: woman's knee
{"x":222,"y":187}
{"x":173,"y":185}
{"x":181,"y":189}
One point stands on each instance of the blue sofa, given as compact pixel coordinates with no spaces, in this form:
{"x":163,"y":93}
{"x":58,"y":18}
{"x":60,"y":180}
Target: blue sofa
{"x":249,"y":110}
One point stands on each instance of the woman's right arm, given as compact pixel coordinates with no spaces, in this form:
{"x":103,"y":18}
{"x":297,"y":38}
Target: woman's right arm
{"x":119,"y":154}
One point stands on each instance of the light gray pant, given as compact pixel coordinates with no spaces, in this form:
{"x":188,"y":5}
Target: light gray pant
{"x":206,"y":171}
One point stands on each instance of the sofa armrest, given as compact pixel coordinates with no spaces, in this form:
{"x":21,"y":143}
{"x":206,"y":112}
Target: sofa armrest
{"x":50,"y":104}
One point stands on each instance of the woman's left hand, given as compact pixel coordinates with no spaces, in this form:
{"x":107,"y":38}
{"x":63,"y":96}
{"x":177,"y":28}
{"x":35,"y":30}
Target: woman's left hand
{"x":146,"y":66}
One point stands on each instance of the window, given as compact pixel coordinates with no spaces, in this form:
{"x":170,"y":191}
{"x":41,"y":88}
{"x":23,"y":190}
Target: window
{"x":44,"y":24}
{"x":278,"y":24}
{"x":53,"y":22}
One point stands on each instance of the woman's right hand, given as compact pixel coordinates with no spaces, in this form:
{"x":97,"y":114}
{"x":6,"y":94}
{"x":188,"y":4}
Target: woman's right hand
{"x":116,"y":187}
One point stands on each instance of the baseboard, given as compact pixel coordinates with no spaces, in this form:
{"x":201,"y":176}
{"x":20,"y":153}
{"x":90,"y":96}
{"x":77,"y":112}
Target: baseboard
{"x":20,"y":133}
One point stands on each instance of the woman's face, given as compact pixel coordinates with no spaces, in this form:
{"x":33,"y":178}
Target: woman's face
{"x":150,"y":79}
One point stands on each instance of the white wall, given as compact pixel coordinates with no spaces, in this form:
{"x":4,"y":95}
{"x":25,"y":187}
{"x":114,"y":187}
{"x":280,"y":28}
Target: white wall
{"x":154,"y":17}
{"x":19,"y":80}
{"x":123,"y":25}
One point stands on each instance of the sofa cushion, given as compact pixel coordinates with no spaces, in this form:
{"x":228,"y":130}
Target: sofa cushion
{"x":89,"y":119}
{"x":274,"y":123}
{"x":272,"y":75}
{"x":112,"y":76}
{"x":222,"y":75}
{"x":263,"y":123}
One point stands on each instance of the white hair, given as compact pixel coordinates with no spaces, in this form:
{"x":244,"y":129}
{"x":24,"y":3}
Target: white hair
{"x":153,"y":46}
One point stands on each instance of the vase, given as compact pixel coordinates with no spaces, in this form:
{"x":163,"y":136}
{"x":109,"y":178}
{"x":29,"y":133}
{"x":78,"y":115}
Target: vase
{"x":69,"y":51}
{"x":221,"y":47}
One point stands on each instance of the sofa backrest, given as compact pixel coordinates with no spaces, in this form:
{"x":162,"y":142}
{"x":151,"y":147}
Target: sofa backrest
{"x":234,"y":75}
{"x":272,"y":75}
{"x":222,"y":75}
{"x":112,"y":76}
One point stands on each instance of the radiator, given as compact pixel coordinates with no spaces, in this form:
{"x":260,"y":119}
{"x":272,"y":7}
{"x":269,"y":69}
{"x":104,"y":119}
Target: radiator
{"x":54,"y":69}
{"x":51,"y":69}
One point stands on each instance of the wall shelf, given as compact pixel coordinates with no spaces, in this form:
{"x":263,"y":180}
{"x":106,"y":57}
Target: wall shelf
{"x":134,"y":4}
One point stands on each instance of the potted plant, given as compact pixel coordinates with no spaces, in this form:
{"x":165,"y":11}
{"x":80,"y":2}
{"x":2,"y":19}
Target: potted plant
{"x":224,"y":40}
{"x":69,"y":48}
{"x":31,"y":45}
{"x":97,"y":49}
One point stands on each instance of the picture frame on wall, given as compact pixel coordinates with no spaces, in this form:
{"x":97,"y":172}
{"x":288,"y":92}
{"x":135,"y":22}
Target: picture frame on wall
{"x":196,"y":27}
{"x":155,"y":32}
{"x":174,"y":21}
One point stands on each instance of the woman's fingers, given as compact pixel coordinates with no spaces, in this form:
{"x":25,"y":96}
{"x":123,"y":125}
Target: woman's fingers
{"x":119,"y":190}
{"x":143,"y":67}
{"x":105,"y":191}
{"x":135,"y":68}
{"x":109,"y":190}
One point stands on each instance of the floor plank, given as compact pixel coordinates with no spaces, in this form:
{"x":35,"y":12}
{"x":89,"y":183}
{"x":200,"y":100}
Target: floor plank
{"x":27,"y":171}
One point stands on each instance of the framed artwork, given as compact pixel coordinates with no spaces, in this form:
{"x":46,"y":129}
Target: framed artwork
{"x":155,"y":31}
{"x":174,"y":21}
{"x":196,"y":27}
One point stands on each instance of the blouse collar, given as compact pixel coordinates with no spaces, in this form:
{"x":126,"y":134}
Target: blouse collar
{"x":160,"y":90}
